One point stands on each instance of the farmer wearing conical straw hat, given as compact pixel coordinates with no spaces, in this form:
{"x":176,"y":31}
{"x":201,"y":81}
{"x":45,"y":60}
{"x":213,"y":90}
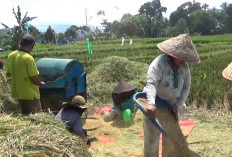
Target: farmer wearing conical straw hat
{"x":71,"y":114}
{"x":168,"y":85}
{"x":227,"y":72}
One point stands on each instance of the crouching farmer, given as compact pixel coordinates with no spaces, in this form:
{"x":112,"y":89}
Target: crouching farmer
{"x":71,"y":114}
{"x":123,"y":99}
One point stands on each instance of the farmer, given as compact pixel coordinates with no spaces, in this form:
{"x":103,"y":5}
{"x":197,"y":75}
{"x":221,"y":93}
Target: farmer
{"x":167,"y":88}
{"x":24,"y":76}
{"x":123,"y":100}
{"x":71,"y":114}
{"x":227,"y":72}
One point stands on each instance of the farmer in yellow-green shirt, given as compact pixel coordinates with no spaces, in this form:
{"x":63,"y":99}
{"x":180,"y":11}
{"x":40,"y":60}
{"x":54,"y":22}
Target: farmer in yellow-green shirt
{"x":24,"y":76}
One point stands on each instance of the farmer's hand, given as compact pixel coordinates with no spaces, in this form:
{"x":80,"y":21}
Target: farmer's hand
{"x":175,"y":110}
{"x":150,"y":110}
{"x":42,"y":83}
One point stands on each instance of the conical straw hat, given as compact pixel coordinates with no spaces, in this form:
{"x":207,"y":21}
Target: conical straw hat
{"x":227,"y":72}
{"x":180,"y":47}
{"x":122,"y":92}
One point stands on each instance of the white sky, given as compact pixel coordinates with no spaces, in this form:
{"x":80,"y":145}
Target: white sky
{"x":73,"y":11}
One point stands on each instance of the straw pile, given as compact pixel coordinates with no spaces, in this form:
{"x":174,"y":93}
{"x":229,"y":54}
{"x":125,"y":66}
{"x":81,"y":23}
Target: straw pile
{"x":107,"y":75}
{"x":7,"y":103}
{"x":38,"y":135}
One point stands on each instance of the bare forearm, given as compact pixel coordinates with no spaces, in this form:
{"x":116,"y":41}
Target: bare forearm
{"x":35,"y":80}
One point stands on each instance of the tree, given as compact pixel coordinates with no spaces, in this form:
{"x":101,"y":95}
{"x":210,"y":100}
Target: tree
{"x":220,"y":20}
{"x":50,"y":35}
{"x":174,"y":17}
{"x":153,"y":12}
{"x":183,"y":11}
{"x":6,"y":41}
{"x":205,"y":7}
{"x":202,"y":22}
{"x":101,"y":12}
{"x":227,"y":8}
{"x":181,"y":27}
{"x":132,"y":25}
{"x":126,"y":17}
{"x":34,"y":32}
{"x":71,"y":32}
{"x":60,"y":37}
{"x":112,"y":28}
{"x":19,"y":30}
{"x":96,"y":33}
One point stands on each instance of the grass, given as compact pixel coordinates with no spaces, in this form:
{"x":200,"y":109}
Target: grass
{"x":211,"y":136}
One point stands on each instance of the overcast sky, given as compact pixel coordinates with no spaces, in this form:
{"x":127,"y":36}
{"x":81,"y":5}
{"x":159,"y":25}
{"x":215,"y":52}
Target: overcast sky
{"x":73,"y":11}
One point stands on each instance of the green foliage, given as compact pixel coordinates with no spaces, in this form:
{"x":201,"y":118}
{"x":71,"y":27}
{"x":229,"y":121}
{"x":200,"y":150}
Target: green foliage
{"x":60,"y":37}
{"x":202,"y":22}
{"x":153,"y":12}
{"x":181,"y":27}
{"x":228,"y":20}
{"x":132,"y":25}
{"x":71,"y":32}
{"x":19,"y":30}
{"x":6,"y":42}
{"x":50,"y":35}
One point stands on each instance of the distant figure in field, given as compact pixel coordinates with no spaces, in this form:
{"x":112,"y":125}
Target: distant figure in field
{"x":123,"y":40}
{"x":24,"y":76}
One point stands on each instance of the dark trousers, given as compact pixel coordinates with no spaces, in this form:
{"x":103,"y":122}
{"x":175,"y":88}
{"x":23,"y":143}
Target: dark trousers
{"x":30,"y":106}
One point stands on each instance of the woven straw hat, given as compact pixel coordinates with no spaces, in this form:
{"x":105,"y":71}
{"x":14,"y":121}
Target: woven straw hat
{"x":78,"y":101}
{"x":180,"y":47}
{"x":227,"y":72}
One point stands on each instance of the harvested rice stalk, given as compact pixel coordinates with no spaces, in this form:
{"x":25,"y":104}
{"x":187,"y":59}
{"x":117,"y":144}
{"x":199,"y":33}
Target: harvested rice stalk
{"x":42,"y":135}
{"x":176,"y":142}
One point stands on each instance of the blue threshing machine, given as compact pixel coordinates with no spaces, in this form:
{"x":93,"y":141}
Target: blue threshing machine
{"x":64,"y":78}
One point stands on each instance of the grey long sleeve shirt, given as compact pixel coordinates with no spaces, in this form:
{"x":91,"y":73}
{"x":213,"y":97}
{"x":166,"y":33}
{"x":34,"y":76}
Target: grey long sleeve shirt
{"x":72,"y":119}
{"x":160,"y":82}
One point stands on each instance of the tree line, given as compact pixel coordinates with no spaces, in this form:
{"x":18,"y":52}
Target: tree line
{"x":190,"y":17}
